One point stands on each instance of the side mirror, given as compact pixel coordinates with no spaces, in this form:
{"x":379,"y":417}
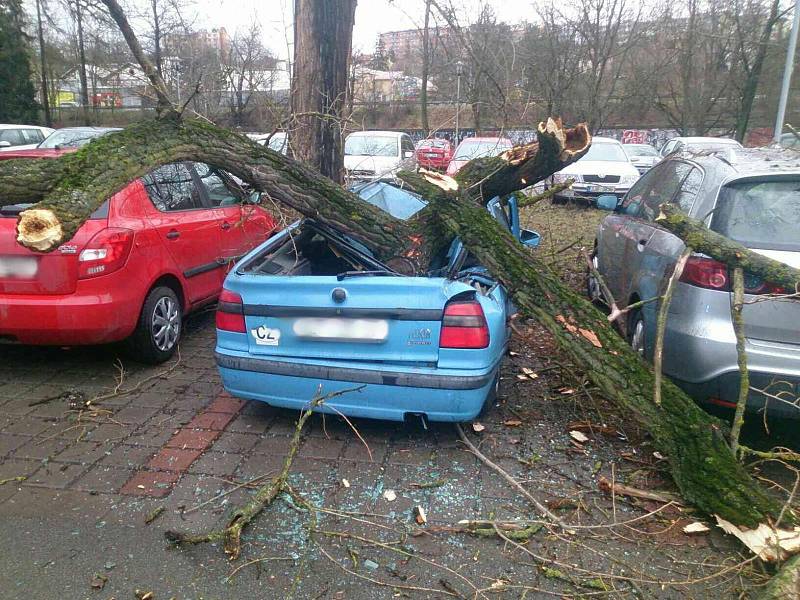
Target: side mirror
{"x":529,"y":238}
{"x":408,"y":154}
{"x":254,"y":198}
{"x":5,"y":144}
{"x":607,"y":202}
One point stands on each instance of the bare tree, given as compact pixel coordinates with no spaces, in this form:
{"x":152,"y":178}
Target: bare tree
{"x":248,"y":71}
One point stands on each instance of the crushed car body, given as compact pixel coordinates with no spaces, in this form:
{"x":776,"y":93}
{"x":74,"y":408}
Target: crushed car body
{"x":312,"y":312}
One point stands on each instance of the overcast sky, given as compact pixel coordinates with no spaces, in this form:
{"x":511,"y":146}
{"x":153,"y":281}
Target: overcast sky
{"x":372,"y":17}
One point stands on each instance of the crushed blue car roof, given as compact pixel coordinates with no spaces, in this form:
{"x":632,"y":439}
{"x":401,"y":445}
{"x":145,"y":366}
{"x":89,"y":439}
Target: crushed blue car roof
{"x":401,"y":204}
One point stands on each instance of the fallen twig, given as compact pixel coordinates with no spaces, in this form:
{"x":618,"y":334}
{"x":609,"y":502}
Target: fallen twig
{"x":624,"y":490}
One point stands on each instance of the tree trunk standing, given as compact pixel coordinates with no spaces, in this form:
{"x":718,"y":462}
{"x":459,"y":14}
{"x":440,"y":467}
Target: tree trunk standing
{"x":82,"y":65}
{"x":426,"y":58}
{"x":157,"y":38}
{"x":753,"y":71}
{"x":323,"y":35}
{"x":48,"y":117}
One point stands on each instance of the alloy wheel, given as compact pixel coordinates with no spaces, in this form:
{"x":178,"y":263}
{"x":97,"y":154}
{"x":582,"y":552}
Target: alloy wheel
{"x":165,"y":323}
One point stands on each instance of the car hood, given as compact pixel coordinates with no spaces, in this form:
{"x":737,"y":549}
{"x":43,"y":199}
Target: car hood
{"x":377,"y":164}
{"x":600,"y":167}
{"x":35,"y":153}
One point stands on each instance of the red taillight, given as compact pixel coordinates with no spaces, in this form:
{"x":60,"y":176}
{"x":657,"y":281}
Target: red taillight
{"x":230,"y":312}
{"x":464,"y":326}
{"x":105,"y":253}
{"x":706,"y":273}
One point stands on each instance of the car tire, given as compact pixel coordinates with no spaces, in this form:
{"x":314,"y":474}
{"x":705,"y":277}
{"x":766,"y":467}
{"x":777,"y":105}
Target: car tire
{"x":559,"y":200}
{"x":491,"y":397}
{"x":159,"y":328}
{"x":593,"y":290}
{"x":635,"y":332}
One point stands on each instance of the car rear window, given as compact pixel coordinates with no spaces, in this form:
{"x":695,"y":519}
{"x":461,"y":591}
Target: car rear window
{"x":760,"y":214}
{"x":472,"y":150}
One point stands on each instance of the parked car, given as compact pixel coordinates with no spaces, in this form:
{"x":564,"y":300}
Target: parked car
{"x":604,"y":170}
{"x":153,"y":252}
{"x":22,"y":137}
{"x":313,"y":311}
{"x":643,"y":156}
{"x":61,"y":141}
{"x":278,"y":141}
{"x":377,"y":155}
{"x":699,"y":144}
{"x":477,"y":147}
{"x":754,"y":199}
{"x":434,"y":153}
{"x":790,"y":140}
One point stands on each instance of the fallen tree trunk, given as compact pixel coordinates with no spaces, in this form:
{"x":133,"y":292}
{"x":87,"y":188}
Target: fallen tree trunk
{"x":786,"y":583}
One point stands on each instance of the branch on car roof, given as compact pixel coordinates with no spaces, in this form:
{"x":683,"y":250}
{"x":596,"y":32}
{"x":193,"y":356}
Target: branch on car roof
{"x":694,"y":233}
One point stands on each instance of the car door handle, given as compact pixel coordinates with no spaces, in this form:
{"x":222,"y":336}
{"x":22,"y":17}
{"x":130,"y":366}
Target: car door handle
{"x":225,"y":226}
{"x":173,"y":234}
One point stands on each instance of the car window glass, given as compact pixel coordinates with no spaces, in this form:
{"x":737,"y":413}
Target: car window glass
{"x":32,"y":136}
{"x":500,"y":213}
{"x":664,"y":188}
{"x":636,"y":195}
{"x":689,"y":189}
{"x":219,"y":192}
{"x":172,"y":188}
{"x":12,"y":136}
{"x":407,"y":144}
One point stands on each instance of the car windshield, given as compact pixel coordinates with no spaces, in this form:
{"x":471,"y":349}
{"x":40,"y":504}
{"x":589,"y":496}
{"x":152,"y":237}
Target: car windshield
{"x":432,"y":144}
{"x":760,"y":214}
{"x":603,"y":151}
{"x":369,"y":145}
{"x":471,"y":150}
{"x":69,"y":139}
{"x":401,"y":204}
{"x":640,"y":150}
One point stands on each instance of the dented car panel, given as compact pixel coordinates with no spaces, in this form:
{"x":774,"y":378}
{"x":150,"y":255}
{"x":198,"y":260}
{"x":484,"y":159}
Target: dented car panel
{"x":310,"y":312}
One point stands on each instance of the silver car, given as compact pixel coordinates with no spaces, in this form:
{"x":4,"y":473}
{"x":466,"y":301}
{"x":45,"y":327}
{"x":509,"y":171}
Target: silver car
{"x":752,"y":197}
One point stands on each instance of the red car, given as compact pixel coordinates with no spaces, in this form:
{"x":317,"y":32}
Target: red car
{"x":434,"y":153}
{"x":153,"y":252}
{"x":61,"y":141}
{"x":477,"y":147}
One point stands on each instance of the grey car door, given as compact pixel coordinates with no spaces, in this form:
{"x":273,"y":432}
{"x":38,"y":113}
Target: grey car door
{"x":650,"y":250}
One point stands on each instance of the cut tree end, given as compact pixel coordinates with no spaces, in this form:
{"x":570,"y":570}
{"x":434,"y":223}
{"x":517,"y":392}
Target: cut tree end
{"x":39,"y":229}
{"x":573,"y":141}
{"x":448,"y":184}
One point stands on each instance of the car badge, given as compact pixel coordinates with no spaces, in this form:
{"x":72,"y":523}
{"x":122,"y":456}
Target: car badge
{"x":68,"y":249}
{"x":420,"y":337}
{"x":265,"y":336}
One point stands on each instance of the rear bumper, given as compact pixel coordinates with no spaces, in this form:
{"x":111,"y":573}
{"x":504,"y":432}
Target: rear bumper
{"x":383,"y":394}
{"x":96,"y":313}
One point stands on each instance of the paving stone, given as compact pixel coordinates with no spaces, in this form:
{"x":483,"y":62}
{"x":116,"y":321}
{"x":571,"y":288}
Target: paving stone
{"x":355,"y":450}
{"x":85,"y":453}
{"x":12,"y":467}
{"x":103,"y":479}
{"x":220,"y":464}
{"x":26,"y":425}
{"x":150,"y":399}
{"x":127,"y":456}
{"x":252,"y":423}
{"x":321,"y":448}
{"x":156,"y":484}
{"x":211,"y":420}
{"x":55,"y":475}
{"x":235,"y":442}
{"x":40,"y":449}
{"x":197,"y":439}
{"x":226,"y":404}
{"x":413,"y":455}
{"x":135,"y":415}
{"x":174,"y":459}
{"x":109,"y":432}
{"x":10,"y":442}
{"x":16,"y":406}
{"x":271,"y":445}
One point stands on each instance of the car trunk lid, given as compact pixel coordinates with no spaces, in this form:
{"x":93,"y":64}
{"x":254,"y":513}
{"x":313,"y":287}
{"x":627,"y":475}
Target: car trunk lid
{"x":23,"y":271}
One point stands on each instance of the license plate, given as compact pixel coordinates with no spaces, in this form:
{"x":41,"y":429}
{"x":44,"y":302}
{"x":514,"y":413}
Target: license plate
{"x":428,"y":155}
{"x":18,"y":267}
{"x":348,"y":330}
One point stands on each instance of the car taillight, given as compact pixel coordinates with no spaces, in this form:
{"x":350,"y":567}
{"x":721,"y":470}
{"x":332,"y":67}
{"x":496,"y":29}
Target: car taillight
{"x":230,"y":312}
{"x":105,"y":253}
{"x":464,"y":326}
{"x":713,"y":275}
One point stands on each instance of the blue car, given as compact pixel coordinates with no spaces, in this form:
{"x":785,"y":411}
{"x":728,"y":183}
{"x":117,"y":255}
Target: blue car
{"x":312,"y":311}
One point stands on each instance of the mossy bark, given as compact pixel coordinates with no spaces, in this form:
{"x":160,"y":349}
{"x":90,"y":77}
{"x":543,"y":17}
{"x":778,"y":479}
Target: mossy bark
{"x":786,"y":583}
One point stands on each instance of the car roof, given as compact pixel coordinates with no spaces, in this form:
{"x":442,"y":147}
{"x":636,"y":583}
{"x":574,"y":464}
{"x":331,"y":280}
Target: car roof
{"x":706,"y":139}
{"x":384,"y":133}
{"x":98,"y":129}
{"x":744,"y":162}
{"x":17,"y":126}
{"x":486,"y":139}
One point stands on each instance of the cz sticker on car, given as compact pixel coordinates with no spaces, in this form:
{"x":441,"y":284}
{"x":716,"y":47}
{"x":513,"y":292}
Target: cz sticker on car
{"x":266,"y":336}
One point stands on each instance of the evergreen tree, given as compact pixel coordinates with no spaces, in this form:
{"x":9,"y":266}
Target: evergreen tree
{"x":17,"y":93}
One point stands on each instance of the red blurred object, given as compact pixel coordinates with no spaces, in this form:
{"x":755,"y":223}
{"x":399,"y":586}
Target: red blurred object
{"x":230,"y":312}
{"x":92,"y":289}
{"x":434,"y":153}
{"x":475,"y":147}
{"x":464,"y":326}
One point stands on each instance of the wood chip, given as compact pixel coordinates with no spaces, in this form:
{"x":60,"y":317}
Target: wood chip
{"x":390,"y":495}
{"x":591,"y":336}
{"x":477,"y":427}
{"x":419,"y":515}
{"x":578,"y":436}
{"x":695,"y":528}
{"x":345,"y":483}
{"x":512,"y":423}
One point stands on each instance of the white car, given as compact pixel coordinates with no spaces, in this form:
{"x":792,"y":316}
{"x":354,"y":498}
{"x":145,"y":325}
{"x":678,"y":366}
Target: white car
{"x":699,"y":144}
{"x":374,"y":155}
{"x":22,"y":137}
{"x":277,"y":141}
{"x":604,"y":170}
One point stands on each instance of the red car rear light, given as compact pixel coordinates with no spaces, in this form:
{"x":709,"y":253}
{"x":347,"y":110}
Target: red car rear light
{"x":464,"y":326}
{"x":230,"y":312}
{"x":105,"y":253}
{"x":713,"y":275}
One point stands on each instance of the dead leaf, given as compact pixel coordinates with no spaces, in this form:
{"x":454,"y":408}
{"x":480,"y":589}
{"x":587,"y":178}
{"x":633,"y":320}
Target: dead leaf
{"x":419,"y":515}
{"x":591,"y":336}
{"x":390,"y":495}
{"x":566,"y":391}
{"x":477,"y":427}
{"x":578,"y":436}
{"x":766,"y":542}
{"x":512,"y":423}
{"x":695,"y":528}
{"x":141,"y":595}
{"x":99,"y":581}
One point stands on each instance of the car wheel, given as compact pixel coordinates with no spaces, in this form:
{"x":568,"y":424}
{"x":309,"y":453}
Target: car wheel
{"x":559,"y":200}
{"x":593,"y":290}
{"x":159,"y":328}
{"x":491,"y":397}
{"x":636,"y":333}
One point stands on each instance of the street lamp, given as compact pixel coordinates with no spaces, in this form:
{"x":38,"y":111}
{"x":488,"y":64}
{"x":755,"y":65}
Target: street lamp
{"x":787,"y":74}
{"x":459,"y":74}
